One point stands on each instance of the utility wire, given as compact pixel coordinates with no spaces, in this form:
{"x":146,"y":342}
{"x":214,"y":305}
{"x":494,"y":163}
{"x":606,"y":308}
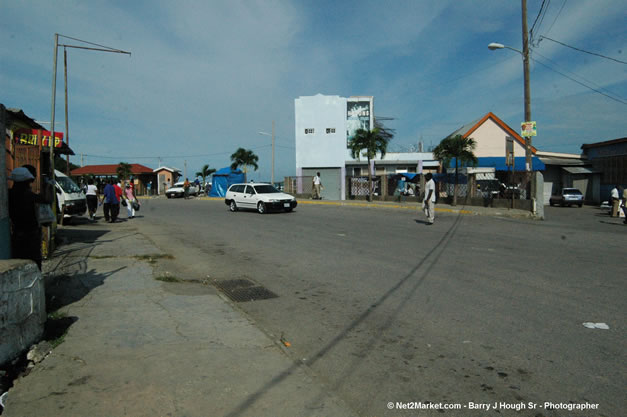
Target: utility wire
{"x":169,"y":157}
{"x":558,"y":15}
{"x":579,"y":82}
{"x":577,"y":75}
{"x":582,"y":50}
{"x":94,"y":44}
{"x":536,"y":20}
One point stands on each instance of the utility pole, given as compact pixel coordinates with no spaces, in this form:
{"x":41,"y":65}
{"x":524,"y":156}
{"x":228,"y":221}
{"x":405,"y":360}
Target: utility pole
{"x":273,"y":152}
{"x":67,"y":132}
{"x":185,"y":169}
{"x":525,"y":57}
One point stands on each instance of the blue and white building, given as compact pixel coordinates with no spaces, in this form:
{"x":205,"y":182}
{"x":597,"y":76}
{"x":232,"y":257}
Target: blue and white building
{"x":323,"y":127}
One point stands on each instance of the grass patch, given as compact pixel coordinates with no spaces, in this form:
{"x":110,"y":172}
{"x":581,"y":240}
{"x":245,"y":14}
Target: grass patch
{"x":56,"y":327}
{"x":151,"y":259}
{"x":168,"y":278}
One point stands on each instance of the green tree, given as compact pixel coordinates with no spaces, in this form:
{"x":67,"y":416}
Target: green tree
{"x":124,"y":171}
{"x":458,"y":148}
{"x":244,"y":158}
{"x":369,"y":143}
{"x":204,"y":173}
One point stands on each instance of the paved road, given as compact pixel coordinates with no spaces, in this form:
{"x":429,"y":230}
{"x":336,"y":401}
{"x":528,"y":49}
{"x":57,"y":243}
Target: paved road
{"x":384,"y":308}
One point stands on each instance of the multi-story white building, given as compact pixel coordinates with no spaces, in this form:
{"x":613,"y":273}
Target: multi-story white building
{"x":323,"y":127}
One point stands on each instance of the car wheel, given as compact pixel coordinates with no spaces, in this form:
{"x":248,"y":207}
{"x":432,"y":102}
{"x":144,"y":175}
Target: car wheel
{"x":580,"y":205}
{"x":261,"y":208}
{"x":287,"y":210}
{"x":168,"y":195}
{"x":233,"y":206}
{"x":551,"y":203}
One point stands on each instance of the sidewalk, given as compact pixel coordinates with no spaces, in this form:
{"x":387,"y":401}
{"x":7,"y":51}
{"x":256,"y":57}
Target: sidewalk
{"x":139,"y":346}
{"x":439,"y":208}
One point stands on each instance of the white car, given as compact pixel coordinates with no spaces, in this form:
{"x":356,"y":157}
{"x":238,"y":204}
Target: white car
{"x":258,"y":196}
{"x":177,"y":190}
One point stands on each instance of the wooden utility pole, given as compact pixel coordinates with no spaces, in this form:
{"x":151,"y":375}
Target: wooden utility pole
{"x":67,"y":132}
{"x":525,"y":56}
{"x":273,"y":152}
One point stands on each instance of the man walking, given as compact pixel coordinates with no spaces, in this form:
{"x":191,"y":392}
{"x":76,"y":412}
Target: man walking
{"x":428,"y":203}
{"x":625,"y":204}
{"x":316,"y":187}
{"x":615,"y":200}
{"x":111,"y":206}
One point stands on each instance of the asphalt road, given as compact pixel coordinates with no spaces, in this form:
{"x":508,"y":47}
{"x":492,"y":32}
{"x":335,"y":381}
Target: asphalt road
{"x":384,"y":308}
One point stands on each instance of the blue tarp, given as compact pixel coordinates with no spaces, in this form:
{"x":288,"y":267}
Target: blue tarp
{"x":498,"y":163}
{"x":223,"y":179}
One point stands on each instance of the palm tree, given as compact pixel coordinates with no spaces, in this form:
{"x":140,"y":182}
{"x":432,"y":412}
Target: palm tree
{"x":373,"y":142}
{"x":204,"y":173}
{"x":124,"y":171}
{"x":245,"y":158}
{"x":458,"y":148}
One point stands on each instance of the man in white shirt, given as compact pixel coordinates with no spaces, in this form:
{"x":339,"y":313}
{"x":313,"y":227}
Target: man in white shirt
{"x":428,"y":203}
{"x":615,"y":200}
{"x":316,"y":187}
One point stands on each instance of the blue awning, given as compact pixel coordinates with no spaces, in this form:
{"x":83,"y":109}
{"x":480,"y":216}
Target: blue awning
{"x":498,"y":163}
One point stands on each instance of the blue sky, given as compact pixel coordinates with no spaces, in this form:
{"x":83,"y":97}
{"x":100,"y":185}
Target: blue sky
{"x":206,"y":76}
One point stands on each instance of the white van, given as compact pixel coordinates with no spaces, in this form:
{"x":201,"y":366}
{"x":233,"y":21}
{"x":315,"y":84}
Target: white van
{"x":70,"y":198}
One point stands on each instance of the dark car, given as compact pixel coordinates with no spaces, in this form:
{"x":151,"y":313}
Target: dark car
{"x":567,"y":197}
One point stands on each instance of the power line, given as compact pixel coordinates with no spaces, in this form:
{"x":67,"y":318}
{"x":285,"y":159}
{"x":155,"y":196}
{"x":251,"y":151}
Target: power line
{"x":169,"y":157}
{"x":558,"y":15}
{"x":580,"y":83}
{"x":577,"y":75}
{"x":536,"y":20}
{"x":582,"y":50}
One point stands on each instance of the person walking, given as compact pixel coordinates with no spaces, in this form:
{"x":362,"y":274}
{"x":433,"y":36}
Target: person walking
{"x":615,"y":200}
{"x":186,"y":186}
{"x":111,"y":206}
{"x":317,"y":184}
{"x":92,"y":199}
{"x":624,"y":206}
{"x":131,"y":200}
{"x":25,"y":229}
{"x":428,"y":203}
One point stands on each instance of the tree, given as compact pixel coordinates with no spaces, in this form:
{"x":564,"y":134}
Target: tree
{"x":204,"y":173}
{"x":124,"y":171}
{"x":458,"y":148}
{"x":371,"y":142}
{"x":244,"y":158}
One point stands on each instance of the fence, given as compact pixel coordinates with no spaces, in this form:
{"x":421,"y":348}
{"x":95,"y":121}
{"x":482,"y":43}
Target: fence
{"x":298,"y":185}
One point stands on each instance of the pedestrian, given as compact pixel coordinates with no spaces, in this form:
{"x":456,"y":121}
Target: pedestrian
{"x":625,"y":204}
{"x":25,"y":228}
{"x":615,"y":200}
{"x":186,"y":186}
{"x":428,"y":204}
{"x":92,"y":199}
{"x":111,"y":206}
{"x":317,"y":184}
{"x":131,"y":200}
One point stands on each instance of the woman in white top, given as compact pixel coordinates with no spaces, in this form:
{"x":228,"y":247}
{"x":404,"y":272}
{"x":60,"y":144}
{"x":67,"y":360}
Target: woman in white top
{"x":92,"y":199}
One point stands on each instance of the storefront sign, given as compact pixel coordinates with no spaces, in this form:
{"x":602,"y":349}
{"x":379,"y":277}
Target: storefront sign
{"x":528,"y":129}
{"x":29,"y":137}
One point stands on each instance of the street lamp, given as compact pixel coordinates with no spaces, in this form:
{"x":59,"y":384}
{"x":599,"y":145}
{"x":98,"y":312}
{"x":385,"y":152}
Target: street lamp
{"x":268,"y":134}
{"x":525,"y":56}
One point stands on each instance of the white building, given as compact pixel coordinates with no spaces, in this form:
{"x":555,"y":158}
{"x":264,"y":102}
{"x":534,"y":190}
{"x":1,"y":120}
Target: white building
{"x":323,"y":127}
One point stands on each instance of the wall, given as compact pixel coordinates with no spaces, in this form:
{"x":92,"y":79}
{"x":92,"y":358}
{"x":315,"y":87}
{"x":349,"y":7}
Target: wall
{"x":22,"y":307}
{"x":320,"y":149}
{"x":491,"y":139}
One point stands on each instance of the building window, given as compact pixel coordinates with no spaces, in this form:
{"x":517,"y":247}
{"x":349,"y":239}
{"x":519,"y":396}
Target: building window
{"x":330,"y":130}
{"x":309,"y":131}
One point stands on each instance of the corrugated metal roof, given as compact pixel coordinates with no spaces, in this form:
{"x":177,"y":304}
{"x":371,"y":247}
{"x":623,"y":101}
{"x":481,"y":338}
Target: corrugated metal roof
{"x":580,"y":170}
{"x":562,"y":161}
{"x":110,"y":169}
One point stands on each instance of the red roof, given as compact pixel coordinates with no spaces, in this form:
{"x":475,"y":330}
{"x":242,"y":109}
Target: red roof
{"x":136,"y":169}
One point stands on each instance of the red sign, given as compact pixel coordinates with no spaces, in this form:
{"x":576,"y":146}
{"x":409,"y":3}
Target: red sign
{"x":29,"y":137}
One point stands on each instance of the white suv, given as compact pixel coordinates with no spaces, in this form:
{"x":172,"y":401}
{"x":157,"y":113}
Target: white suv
{"x":258,"y":196}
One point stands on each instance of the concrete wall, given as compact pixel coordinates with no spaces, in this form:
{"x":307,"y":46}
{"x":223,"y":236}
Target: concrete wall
{"x":22,"y":307}
{"x":320,"y":149}
{"x":491,"y":139}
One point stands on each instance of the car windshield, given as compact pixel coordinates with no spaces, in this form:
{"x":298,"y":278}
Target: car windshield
{"x":68,"y":185}
{"x":572,"y":191}
{"x":266,"y":189}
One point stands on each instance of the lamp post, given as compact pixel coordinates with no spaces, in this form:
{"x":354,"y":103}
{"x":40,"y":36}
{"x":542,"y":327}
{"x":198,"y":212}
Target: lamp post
{"x":525,"y":57}
{"x":268,"y":134}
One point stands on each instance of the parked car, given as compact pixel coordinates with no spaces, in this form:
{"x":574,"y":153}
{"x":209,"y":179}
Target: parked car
{"x":258,"y":196}
{"x":70,"y":198}
{"x":567,"y":197}
{"x":177,"y":190}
